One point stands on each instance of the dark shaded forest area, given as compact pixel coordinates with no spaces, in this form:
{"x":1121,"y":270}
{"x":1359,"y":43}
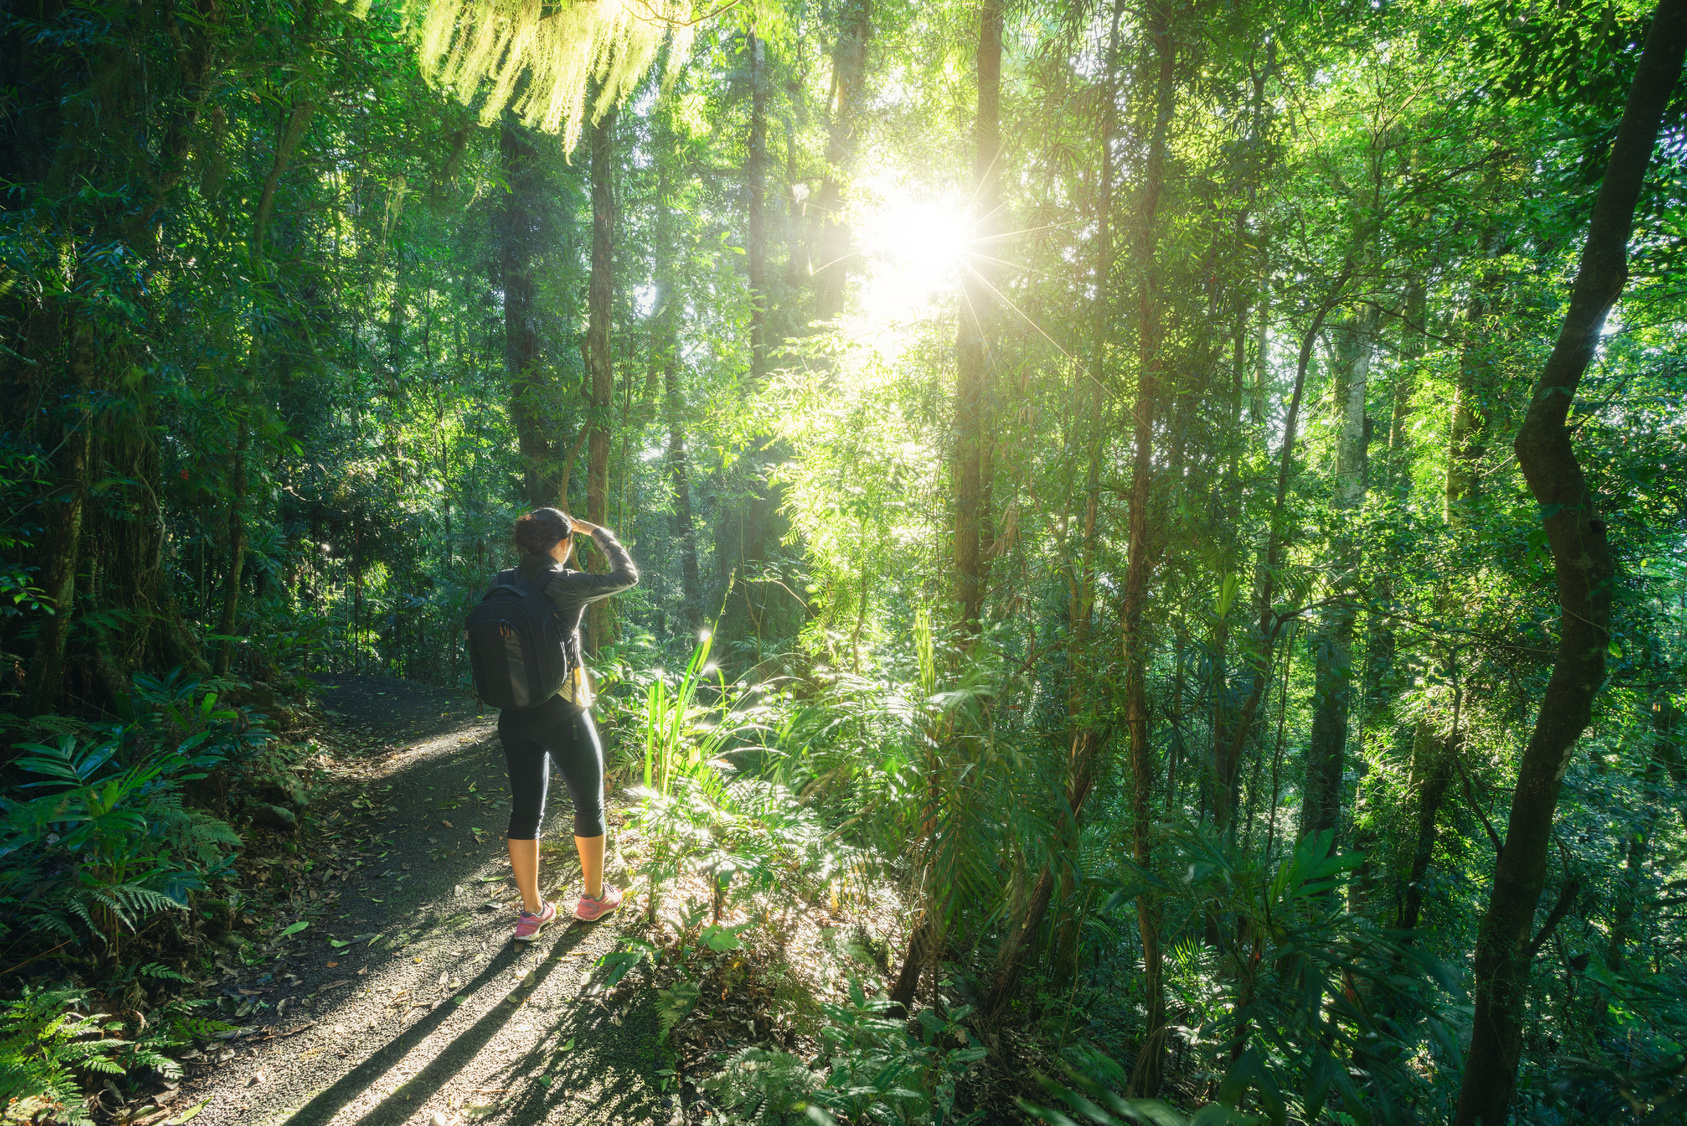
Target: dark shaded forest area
{"x":1161,"y":525}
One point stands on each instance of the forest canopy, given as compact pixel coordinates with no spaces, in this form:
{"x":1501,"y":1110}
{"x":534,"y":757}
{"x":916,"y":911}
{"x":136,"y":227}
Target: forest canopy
{"x":1165,"y":517}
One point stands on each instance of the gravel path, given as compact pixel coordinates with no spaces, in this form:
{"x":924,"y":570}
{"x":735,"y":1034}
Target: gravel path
{"x":439,"y":1018}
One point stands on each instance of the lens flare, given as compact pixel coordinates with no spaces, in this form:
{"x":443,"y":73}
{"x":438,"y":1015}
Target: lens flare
{"x":916,"y":253}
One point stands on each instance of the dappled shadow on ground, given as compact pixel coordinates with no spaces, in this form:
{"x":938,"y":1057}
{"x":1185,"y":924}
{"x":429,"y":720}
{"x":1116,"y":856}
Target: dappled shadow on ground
{"x":606,"y":1077}
{"x":443,"y":1015}
{"x":324,"y":1107}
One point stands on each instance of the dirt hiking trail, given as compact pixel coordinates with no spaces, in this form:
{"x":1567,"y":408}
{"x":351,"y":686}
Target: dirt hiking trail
{"x":427,"y":1013}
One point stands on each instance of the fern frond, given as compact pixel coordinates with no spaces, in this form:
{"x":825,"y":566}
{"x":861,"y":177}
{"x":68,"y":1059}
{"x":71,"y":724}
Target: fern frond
{"x":539,"y":60}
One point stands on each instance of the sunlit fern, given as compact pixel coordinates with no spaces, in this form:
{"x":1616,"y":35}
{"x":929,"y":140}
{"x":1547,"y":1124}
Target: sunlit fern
{"x":544,"y":59}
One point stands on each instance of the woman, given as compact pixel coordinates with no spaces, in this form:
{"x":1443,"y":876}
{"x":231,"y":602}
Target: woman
{"x":560,"y":730}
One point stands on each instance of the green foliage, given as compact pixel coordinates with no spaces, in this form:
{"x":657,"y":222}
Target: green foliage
{"x":674,"y":1004}
{"x":764,"y":1088}
{"x":50,"y":1046}
{"x":874,"y":1071}
{"x":326,"y":426}
{"x":880,"y":1073}
{"x":699,"y":815}
{"x":108,"y":842}
{"x":44,"y":1047}
{"x":1089,"y":1091}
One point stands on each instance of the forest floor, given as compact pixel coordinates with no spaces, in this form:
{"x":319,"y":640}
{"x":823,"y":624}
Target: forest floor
{"x":403,"y":1000}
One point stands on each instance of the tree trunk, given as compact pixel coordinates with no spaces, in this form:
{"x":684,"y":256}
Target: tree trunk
{"x":1226,"y":766}
{"x":1086,"y":743}
{"x":849,"y":68}
{"x":755,"y":171}
{"x":600,"y":307}
{"x":1466,"y":440}
{"x":1584,"y":571}
{"x":59,"y":563}
{"x":680,"y":526}
{"x":1333,"y":645}
{"x":1631,"y":883}
{"x":1414,"y":333}
{"x":684,"y":532}
{"x":1147,"y":1075}
{"x":913,"y":963}
{"x":1431,"y":776}
{"x":1276,"y":536}
{"x":292,"y":132}
{"x":518,"y":234}
{"x":972,"y":345}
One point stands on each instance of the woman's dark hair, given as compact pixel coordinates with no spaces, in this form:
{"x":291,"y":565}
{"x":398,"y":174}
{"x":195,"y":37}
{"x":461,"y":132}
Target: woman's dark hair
{"x":542,"y":529}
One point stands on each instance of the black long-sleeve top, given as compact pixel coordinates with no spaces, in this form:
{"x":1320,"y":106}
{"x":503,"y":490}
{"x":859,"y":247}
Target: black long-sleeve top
{"x":572,"y":591}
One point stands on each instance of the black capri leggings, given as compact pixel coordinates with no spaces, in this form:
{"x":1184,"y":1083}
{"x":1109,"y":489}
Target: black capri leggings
{"x":564,"y":734}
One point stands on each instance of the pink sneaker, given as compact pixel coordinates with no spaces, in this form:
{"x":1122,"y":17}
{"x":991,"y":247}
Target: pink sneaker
{"x":527,"y":924}
{"x":591,"y":910}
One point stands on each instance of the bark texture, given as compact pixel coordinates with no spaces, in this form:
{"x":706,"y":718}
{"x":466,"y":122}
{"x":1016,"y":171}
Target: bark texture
{"x":1332,"y":695}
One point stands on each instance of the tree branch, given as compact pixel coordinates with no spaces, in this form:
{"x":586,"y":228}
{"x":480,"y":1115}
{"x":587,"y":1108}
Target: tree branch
{"x":1566,"y":896}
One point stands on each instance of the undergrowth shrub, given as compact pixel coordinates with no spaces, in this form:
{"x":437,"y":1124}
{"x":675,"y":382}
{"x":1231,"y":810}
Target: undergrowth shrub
{"x":50,"y":1040}
{"x":45,"y":1045}
{"x":765,"y":1088}
{"x":104,"y":837}
{"x":873,"y":1071}
{"x":105,"y":830}
{"x":747,"y":796}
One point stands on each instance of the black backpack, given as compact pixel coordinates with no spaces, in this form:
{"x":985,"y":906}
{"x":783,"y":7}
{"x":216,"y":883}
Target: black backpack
{"x":516,"y":648}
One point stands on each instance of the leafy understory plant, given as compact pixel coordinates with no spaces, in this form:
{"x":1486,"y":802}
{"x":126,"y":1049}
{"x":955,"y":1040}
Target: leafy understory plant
{"x":764,"y":1088}
{"x":874,"y":1071}
{"x":109,"y":842}
{"x":44,"y":1046}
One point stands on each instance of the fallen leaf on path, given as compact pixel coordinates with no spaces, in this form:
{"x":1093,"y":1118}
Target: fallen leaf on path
{"x":190,"y":1113}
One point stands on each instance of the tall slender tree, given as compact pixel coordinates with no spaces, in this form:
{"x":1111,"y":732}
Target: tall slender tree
{"x":974,"y":345}
{"x":1160,"y":61}
{"x":1583,"y":569}
{"x":600,"y":359}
